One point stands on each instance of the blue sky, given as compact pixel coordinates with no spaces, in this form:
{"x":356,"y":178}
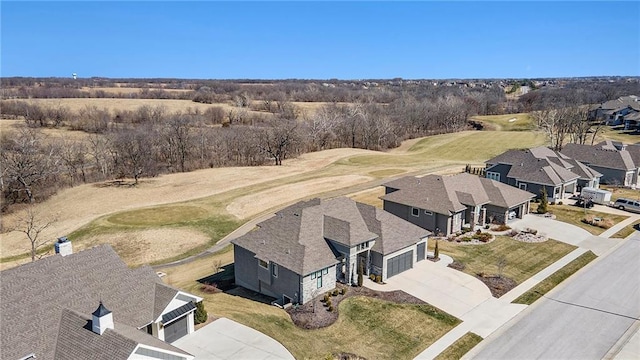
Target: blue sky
{"x":320,"y":40}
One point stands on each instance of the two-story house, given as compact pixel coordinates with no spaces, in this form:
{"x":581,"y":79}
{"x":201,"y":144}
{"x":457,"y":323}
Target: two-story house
{"x":307,"y":247}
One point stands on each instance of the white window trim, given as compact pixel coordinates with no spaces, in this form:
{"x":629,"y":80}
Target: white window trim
{"x":427,"y":212}
{"x":415,"y":212}
{"x":493,"y":175}
{"x":274,"y":270}
{"x":265,"y":266}
{"x":520,"y":186}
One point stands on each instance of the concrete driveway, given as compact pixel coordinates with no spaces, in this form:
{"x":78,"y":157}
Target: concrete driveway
{"x":226,"y":339}
{"x":554,"y":229}
{"x":450,"y":290}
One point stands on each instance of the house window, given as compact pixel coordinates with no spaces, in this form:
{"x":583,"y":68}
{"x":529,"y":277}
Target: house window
{"x":325,"y":271}
{"x":263,"y":264}
{"x":493,"y":175}
{"x":319,"y":282}
{"x":426,"y":212}
{"x":313,"y":276}
{"x":522,"y":186}
{"x":415,"y":212}
{"x":274,"y":270}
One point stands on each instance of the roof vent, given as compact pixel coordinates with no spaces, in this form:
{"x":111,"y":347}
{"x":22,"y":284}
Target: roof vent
{"x":102,"y":319}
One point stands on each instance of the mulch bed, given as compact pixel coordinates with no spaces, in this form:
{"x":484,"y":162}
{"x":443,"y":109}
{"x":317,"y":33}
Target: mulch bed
{"x":498,"y":285}
{"x":305,"y":317}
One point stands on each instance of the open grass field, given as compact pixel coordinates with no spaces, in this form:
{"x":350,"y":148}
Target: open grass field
{"x":554,"y":279}
{"x":618,"y":192}
{"x":523,"y":260}
{"x":574,"y":215}
{"x":225,"y":195}
{"x":460,"y":347}
{"x":467,"y":147}
{"x":508,"y":122}
{"x":618,"y":135}
{"x":171,"y":105}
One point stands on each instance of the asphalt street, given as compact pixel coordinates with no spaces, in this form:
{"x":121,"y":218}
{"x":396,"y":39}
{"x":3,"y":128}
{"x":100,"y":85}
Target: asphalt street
{"x":582,"y":320}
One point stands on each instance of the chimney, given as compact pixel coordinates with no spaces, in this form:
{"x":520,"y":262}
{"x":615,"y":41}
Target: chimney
{"x":63,"y":246}
{"x":102,"y":319}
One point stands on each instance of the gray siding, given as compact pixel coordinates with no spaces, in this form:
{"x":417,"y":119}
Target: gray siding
{"x":254,"y":277}
{"x":612,"y":176}
{"x":429,"y":222}
{"x":246,"y":268}
{"x":502,"y":169}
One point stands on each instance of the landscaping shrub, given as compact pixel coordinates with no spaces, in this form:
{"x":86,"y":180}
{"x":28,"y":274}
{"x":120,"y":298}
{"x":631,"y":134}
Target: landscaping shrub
{"x":327,"y":303}
{"x":372,"y":277}
{"x":335,"y":292}
{"x":542,"y":207}
{"x":343,"y":291}
{"x":378,"y":278}
{"x":200,"y":315}
{"x":594,"y":221}
{"x":326,"y":298}
{"x":330,"y":308}
{"x":559,"y":202}
{"x":502,"y":227}
{"x":211,"y":288}
{"x":465,"y":229}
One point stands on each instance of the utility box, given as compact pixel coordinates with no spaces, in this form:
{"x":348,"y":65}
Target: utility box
{"x":598,"y":196}
{"x":63,"y":246}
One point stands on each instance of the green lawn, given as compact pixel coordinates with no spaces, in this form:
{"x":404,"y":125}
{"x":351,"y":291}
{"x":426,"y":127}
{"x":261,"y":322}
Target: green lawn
{"x":463,"y":147}
{"x":522,"y":122}
{"x":462,"y":346}
{"x":523,"y":260}
{"x":367,"y":327}
{"x":574,"y":215}
{"x":554,"y":279}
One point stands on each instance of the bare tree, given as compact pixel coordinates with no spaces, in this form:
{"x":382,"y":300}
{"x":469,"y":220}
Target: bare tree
{"x":32,"y":223}
{"x":27,"y":163}
{"x":278,"y":139}
{"x":134,"y":152}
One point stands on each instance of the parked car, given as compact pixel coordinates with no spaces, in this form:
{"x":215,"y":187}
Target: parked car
{"x":627,"y":204}
{"x":584,"y":203}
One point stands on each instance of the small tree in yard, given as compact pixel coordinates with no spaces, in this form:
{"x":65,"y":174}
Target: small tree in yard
{"x":544,"y":202}
{"x":32,"y":223}
{"x":201,"y":314}
{"x":436,"y":251}
{"x":360,"y":273}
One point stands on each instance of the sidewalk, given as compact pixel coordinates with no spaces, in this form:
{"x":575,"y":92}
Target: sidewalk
{"x":493,"y":313}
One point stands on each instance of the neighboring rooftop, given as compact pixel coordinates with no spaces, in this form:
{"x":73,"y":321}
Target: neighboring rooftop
{"x":543,"y":166}
{"x":622,"y":102}
{"x":38,"y":298}
{"x":297,"y":236}
{"x":607,"y":154}
{"x":450,"y":194}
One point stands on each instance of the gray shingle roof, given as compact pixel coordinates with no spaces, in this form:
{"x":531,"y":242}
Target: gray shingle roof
{"x":604,"y":155}
{"x":76,"y":340}
{"x":34,"y":295}
{"x":296,"y":237}
{"x":449,"y":194}
{"x":540,"y":165}
{"x":621,"y":103}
